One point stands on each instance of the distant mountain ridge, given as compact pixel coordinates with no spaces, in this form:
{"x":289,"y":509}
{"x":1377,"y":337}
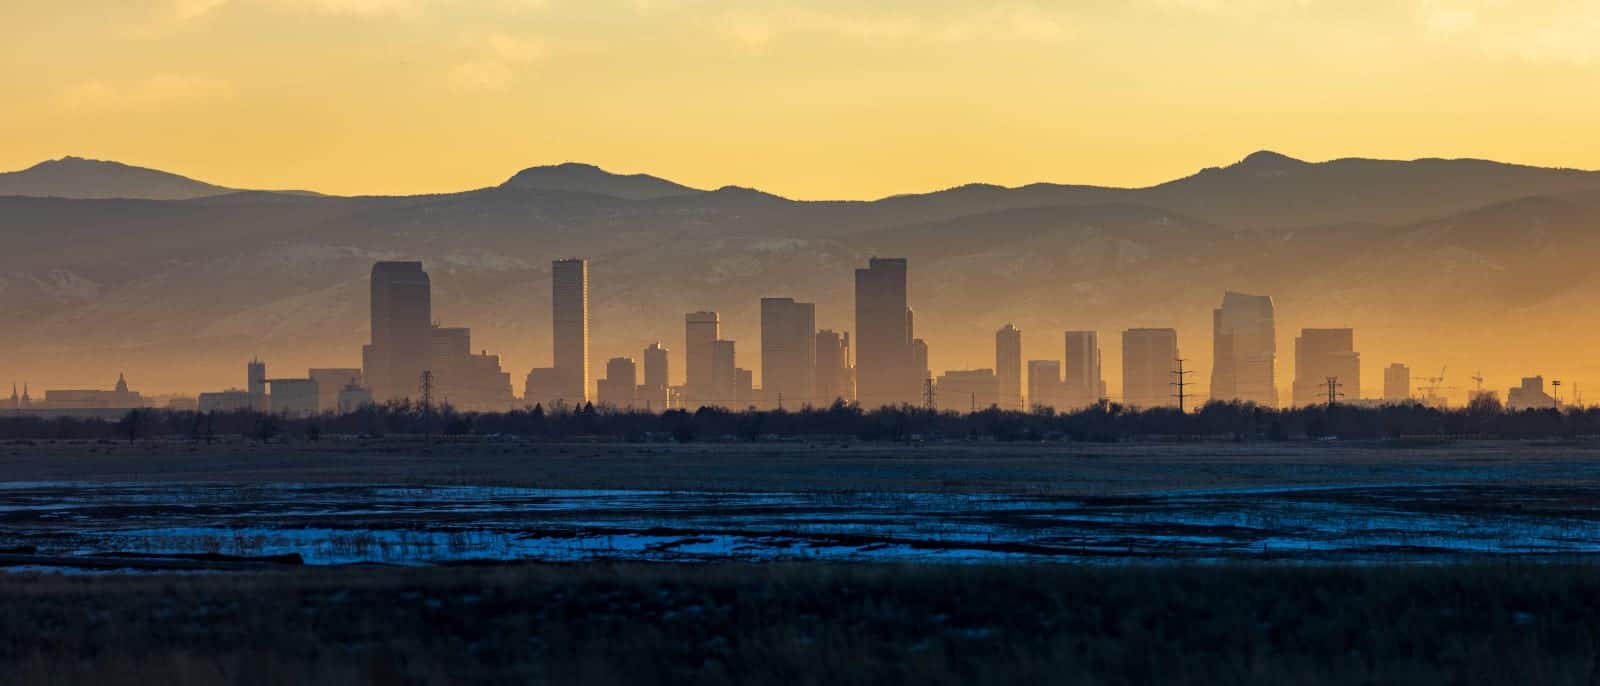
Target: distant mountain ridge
{"x":179,"y":290}
{"x":1264,"y":189}
{"x":587,"y":178}
{"x":77,"y":177}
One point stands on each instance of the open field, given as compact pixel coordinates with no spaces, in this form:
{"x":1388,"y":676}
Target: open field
{"x":983,"y":467}
{"x":810,"y":623}
{"x":415,"y":502}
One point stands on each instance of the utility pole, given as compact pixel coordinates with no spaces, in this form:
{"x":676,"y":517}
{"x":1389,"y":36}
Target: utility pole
{"x":929,"y":398}
{"x":427,"y":391}
{"x":1333,"y":391}
{"x":780,"y":400}
{"x":1181,"y":383}
{"x":974,"y":403}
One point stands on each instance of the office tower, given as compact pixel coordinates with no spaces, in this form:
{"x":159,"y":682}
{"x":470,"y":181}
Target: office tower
{"x":1320,"y":354}
{"x":700,"y":331}
{"x":402,"y":314}
{"x":972,"y":390}
{"x":1083,"y":383}
{"x":1008,"y":366}
{"x":884,"y":372}
{"x":919,"y":360}
{"x":1149,"y":357}
{"x":1396,"y":383}
{"x":619,"y":388}
{"x":1244,"y":350}
{"x":465,"y":380}
{"x":330,"y":382}
{"x":256,"y":377}
{"x":788,"y":352}
{"x":744,"y":391}
{"x":1044,"y":385}
{"x":569,"y":311}
{"x":654,"y":393}
{"x":724,"y":375}
{"x":656,"y":370}
{"x":833,"y":367}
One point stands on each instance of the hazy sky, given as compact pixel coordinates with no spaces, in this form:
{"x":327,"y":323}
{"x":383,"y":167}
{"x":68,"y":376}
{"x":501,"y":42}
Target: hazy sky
{"x":816,"y":99}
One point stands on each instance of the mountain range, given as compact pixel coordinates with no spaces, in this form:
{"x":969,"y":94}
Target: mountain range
{"x":1465,"y":264}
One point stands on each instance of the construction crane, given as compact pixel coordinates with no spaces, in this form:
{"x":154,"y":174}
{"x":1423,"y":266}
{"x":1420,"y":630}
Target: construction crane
{"x":1428,"y":393}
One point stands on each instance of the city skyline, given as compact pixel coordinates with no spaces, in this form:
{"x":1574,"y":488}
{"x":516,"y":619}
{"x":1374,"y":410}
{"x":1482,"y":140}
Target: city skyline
{"x":798,"y":359}
{"x":284,"y":293}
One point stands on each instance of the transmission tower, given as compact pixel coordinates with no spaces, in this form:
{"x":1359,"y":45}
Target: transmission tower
{"x":1181,"y":383}
{"x":1555,"y":391}
{"x":1333,"y":391}
{"x":426,"y":386}
{"x":930,"y":399}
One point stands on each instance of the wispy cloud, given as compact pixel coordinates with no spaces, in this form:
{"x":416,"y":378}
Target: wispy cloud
{"x":757,"y":29}
{"x":495,"y":66}
{"x":192,"y":9}
{"x":154,"y":93}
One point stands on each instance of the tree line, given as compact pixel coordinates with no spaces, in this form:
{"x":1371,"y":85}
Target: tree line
{"x":1105,"y":422}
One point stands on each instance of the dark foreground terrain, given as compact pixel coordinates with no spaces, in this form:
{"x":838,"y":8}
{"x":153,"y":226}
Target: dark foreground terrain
{"x":809,"y":623}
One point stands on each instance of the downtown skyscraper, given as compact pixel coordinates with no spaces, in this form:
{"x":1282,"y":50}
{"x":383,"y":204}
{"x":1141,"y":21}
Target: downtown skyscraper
{"x":1008,"y":366}
{"x":1244,"y":350}
{"x":884,"y":370}
{"x":701,"y":331}
{"x":1321,"y":356}
{"x":1083,"y":383}
{"x":1149,"y":357}
{"x":788,"y":352}
{"x":569,"y":314}
{"x":402,"y":315}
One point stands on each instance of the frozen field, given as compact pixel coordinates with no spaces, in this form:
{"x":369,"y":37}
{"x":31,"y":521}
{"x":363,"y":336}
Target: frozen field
{"x":333,"y":523}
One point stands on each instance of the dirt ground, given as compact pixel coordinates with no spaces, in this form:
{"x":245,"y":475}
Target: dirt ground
{"x":1055,"y":469}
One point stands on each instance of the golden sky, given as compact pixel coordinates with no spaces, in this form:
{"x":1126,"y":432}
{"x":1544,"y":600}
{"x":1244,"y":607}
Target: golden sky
{"x":815,"y":99}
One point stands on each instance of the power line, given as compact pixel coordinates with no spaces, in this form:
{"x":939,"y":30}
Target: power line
{"x":1181,"y":383}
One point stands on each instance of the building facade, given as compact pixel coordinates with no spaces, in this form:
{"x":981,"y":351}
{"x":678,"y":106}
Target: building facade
{"x":569,"y":325}
{"x":402,"y":315}
{"x":1244,"y":350}
{"x":1008,"y":366}
{"x":788,"y":353}
{"x":1321,"y":355}
{"x":1083,"y":382}
{"x":1149,"y":358}
{"x":884,"y":370}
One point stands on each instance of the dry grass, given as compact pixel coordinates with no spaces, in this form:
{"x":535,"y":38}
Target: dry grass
{"x":809,"y":624}
{"x":1066,"y":469}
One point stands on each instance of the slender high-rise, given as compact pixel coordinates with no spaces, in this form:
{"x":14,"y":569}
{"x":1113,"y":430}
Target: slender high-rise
{"x":1008,"y":366}
{"x":700,"y":331}
{"x":884,"y":373}
{"x":725,"y":385}
{"x":656,"y":371}
{"x":1396,"y":383}
{"x":1084,"y":384}
{"x":569,"y":314}
{"x":402,"y":316}
{"x":1149,"y":357}
{"x":788,"y":352}
{"x":1244,"y":350}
